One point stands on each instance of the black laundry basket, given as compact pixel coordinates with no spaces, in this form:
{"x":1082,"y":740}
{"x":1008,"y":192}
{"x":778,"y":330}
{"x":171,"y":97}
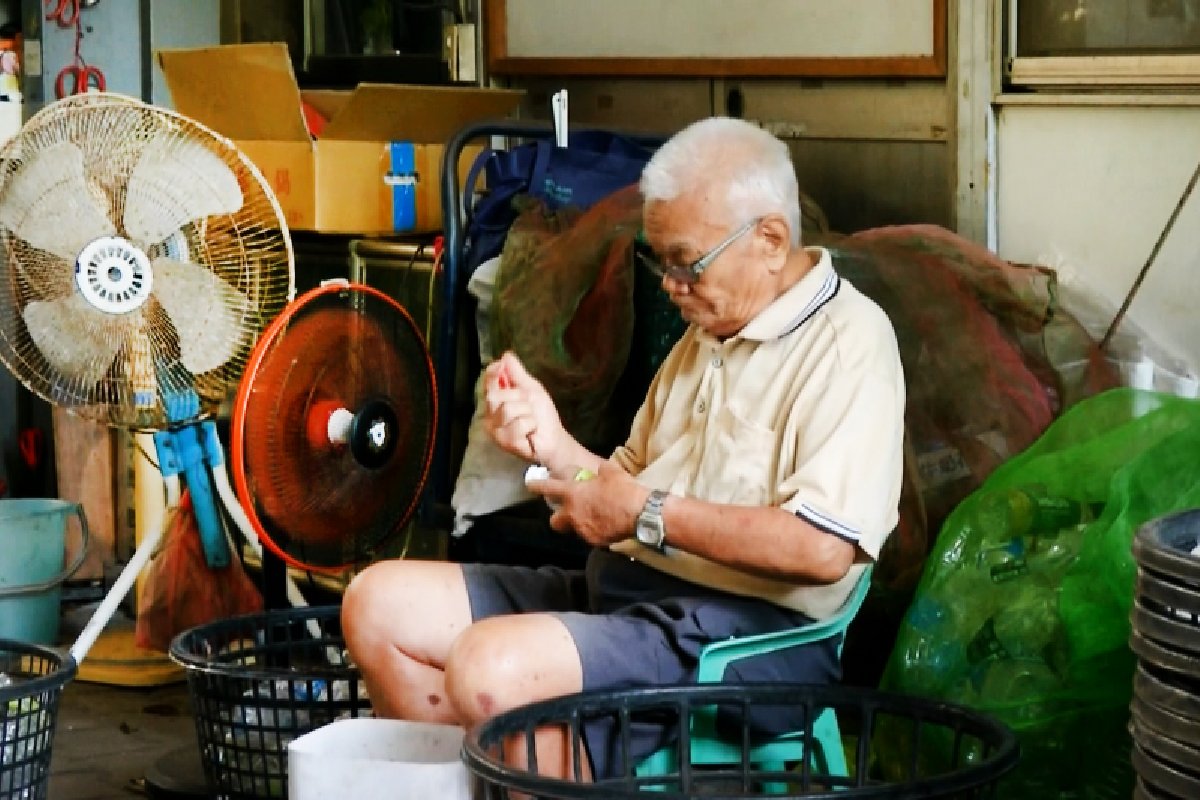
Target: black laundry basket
{"x":256,"y":683}
{"x":946,"y":750}
{"x":31,"y":686}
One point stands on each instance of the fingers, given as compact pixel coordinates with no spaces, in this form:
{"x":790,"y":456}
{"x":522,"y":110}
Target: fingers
{"x":513,"y":435}
{"x":549,"y":487}
{"x":560,"y":522}
{"x":510,"y":365}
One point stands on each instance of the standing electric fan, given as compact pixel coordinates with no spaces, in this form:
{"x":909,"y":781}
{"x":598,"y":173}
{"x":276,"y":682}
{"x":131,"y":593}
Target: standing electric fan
{"x":143,"y":255}
{"x":333,"y":428}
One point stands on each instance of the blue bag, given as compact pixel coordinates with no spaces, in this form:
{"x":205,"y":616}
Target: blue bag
{"x":596,"y":164}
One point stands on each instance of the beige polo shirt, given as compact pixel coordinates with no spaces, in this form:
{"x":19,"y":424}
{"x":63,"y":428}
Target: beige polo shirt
{"x":804,"y":410}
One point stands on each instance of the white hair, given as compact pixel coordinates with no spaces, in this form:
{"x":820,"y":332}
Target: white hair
{"x":755,"y":166}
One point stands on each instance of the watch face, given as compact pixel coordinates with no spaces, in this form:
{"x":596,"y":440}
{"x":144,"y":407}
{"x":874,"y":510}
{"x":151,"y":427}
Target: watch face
{"x":649,"y":531}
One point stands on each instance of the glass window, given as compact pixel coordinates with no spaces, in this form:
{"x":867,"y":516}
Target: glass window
{"x":1107,"y":27}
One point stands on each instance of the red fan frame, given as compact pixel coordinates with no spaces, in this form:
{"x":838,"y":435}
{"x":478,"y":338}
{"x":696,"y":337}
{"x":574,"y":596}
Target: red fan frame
{"x":242,"y":400}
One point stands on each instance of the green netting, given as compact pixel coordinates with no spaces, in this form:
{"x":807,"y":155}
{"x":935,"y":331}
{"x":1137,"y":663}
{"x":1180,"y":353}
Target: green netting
{"x":1023,"y":607}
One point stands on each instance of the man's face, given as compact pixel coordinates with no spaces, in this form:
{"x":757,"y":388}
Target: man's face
{"x":731,"y":290}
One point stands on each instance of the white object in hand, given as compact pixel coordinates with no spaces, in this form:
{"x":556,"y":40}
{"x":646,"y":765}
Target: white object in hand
{"x":537,"y":472}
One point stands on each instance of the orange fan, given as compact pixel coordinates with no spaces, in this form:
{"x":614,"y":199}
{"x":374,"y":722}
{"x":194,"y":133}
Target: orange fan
{"x":333,"y":427}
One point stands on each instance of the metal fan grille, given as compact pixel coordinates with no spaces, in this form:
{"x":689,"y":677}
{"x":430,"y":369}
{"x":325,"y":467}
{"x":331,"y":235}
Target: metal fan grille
{"x":112,"y":166}
{"x":323,"y":505}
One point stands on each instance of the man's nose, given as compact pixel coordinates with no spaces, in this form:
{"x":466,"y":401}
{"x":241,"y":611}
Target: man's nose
{"x":672,"y":286}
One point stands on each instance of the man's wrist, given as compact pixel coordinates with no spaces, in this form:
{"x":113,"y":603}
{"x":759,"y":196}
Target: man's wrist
{"x":638,"y":497}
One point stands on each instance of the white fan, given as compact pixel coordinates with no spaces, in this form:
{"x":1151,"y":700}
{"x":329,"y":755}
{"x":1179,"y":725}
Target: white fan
{"x":143,"y":255}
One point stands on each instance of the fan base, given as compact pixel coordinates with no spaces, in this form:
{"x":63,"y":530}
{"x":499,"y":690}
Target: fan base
{"x":178,"y":775}
{"x":115,"y":660}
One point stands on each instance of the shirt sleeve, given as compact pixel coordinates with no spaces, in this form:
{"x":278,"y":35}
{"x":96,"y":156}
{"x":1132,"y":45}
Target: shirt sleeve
{"x":849,"y":464}
{"x":631,"y":456}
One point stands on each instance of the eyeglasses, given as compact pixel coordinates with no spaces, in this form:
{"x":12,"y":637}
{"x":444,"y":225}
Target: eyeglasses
{"x":687,"y":273}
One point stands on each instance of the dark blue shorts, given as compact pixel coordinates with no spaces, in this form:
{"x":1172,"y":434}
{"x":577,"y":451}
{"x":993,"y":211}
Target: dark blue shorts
{"x":636,"y":627}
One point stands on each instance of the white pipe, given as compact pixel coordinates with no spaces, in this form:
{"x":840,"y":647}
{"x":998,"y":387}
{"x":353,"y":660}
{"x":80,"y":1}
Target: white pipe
{"x":108,"y":607}
{"x":152,"y":535}
{"x":174,"y":491}
{"x":230,"y":501}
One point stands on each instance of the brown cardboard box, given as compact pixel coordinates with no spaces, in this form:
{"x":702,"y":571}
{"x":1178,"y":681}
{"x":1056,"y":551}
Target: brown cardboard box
{"x":344,"y":181}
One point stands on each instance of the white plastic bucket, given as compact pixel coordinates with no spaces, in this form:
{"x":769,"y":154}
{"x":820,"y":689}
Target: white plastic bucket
{"x":374,"y":759}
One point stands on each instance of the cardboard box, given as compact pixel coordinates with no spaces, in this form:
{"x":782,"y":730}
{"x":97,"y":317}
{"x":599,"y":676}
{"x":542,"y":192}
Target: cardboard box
{"x":375,"y":167}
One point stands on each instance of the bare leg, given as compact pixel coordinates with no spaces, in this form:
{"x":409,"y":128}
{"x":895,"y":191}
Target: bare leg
{"x":400,"y":619}
{"x":503,"y":663}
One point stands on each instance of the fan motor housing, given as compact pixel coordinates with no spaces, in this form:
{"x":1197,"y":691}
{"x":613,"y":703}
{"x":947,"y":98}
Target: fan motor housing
{"x":114,"y":275}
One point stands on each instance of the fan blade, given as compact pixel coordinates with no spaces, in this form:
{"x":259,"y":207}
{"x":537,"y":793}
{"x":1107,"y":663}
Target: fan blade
{"x":177,"y":180}
{"x":64,"y":331}
{"x":49,"y":205}
{"x":208,"y":314}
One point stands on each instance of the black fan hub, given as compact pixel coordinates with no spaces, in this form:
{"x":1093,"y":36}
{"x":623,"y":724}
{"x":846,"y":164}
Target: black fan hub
{"x":373,"y":434}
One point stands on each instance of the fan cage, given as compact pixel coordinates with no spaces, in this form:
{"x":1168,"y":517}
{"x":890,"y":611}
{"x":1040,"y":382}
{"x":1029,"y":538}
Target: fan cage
{"x":388,"y":500}
{"x":249,"y":250}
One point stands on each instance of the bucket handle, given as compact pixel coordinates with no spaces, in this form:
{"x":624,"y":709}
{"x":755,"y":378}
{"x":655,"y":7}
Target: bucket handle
{"x":45,"y":586}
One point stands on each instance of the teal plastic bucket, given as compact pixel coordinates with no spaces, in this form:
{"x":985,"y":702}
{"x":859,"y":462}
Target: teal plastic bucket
{"x":33,"y":536}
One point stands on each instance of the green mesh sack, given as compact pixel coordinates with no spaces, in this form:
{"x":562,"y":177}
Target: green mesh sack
{"x":1023,"y":608}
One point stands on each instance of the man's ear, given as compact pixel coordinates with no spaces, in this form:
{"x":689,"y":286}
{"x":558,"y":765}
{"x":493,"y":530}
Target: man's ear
{"x":776,"y":239}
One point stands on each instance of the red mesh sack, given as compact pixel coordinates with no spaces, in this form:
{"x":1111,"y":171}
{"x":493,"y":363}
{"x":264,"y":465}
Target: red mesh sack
{"x":989,"y":362}
{"x":181,"y":591}
{"x":564,"y":305}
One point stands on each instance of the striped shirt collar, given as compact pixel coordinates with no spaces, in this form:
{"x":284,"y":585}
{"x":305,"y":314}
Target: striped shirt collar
{"x":798,"y":304}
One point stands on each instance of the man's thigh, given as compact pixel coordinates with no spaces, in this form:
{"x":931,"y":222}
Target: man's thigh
{"x":495,"y":591}
{"x":660,"y":643}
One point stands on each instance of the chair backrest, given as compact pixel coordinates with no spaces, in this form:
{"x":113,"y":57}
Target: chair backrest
{"x":718,"y":655}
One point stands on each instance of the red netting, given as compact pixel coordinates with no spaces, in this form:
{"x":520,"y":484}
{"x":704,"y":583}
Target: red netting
{"x":564,"y":304}
{"x":989,"y":360}
{"x":181,"y":591}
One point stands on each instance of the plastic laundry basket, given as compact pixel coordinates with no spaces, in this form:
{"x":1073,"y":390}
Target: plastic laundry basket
{"x":950,"y":751}
{"x":259,"y":682}
{"x":32,"y":678}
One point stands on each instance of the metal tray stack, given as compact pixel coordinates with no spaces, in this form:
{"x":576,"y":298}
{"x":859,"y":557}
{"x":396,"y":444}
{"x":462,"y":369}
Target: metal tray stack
{"x":1165,"y":721}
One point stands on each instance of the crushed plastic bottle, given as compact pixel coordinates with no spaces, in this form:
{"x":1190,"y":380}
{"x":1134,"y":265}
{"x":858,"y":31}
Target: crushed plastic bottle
{"x":934,"y":654}
{"x":1017,"y":513}
{"x":1031,"y":628}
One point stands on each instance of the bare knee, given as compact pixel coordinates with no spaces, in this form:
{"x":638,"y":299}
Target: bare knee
{"x":361,"y":606}
{"x":505,"y":662}
{"x":419,"y":607}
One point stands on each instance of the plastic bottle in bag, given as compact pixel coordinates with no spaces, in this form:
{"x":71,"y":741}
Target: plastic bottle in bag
{"x":1019,"y":526}
{"x":1009,"y":513}
{"x":934,"y":655}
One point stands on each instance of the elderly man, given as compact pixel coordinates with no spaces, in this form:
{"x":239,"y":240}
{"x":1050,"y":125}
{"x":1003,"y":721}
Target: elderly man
{"x":761,"y":475}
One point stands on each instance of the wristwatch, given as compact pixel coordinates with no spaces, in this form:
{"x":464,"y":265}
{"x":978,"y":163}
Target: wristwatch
{"x":650,"y":529}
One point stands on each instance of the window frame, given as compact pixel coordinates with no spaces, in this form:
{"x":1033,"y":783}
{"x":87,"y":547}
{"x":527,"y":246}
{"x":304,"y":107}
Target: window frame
{"x":1148,"y":70}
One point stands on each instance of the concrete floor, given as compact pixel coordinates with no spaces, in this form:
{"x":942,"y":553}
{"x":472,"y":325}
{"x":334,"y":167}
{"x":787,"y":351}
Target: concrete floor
{"x":109,"y":739}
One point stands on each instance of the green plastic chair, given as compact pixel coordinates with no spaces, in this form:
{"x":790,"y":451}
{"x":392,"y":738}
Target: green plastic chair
{"x":709,"y":749}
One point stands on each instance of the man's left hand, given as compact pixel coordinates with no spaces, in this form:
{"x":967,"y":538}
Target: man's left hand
{"x":602,"y":510}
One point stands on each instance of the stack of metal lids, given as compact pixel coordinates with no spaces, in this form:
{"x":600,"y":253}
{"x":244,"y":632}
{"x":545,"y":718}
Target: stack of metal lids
{"x":1166,"y":639}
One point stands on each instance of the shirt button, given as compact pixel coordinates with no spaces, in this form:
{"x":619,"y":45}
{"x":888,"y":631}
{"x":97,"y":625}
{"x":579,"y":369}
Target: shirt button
{"x":717,"y":362}
{"x":700,"y":407}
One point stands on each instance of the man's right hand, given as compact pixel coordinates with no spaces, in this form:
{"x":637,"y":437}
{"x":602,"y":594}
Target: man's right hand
{"x":521,"y":416}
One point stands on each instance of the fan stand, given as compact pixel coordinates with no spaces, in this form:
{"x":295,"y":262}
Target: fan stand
{"x":179,"y":775}
{"x":115,"y":659}
{"x":274,"y":582}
